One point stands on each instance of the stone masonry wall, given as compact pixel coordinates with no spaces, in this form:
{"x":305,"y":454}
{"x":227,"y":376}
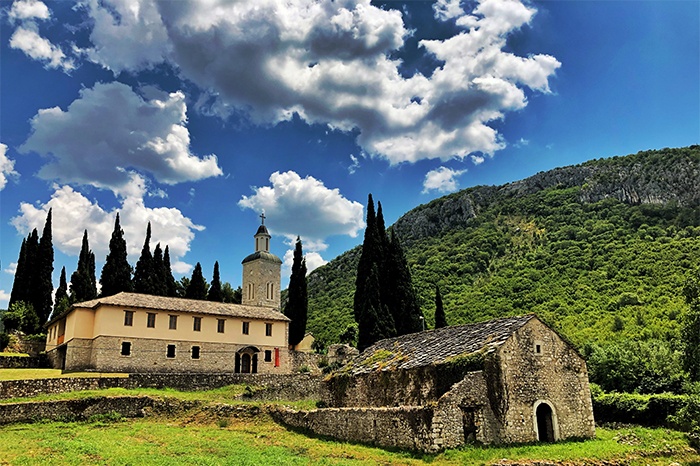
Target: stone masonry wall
{"x":557,"y":376}
{"x":23,"y":362}
{"x":150,"y":355}
{"x":407,"y":427}
{"x":266,"y":387}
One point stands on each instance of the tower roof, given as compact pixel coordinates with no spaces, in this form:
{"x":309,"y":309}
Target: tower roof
{"x":262,"y":230}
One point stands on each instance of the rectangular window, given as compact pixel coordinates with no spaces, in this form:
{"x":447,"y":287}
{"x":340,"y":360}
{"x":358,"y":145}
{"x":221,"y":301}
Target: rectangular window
{"x":171,"y":351}
{"x":151,"y":323}
{"x":220,"y":325}
{"x":195,"y":352}
{"x":173,"y":323}
{"x":126,"y":348}
{"x":268,"y":355}
{"x":197,"y":325}
{"x":128,"y":318}
{"x":246,"y":328}
{"x":268,"y":330}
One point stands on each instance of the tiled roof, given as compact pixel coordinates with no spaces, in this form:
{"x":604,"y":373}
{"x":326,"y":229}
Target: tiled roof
{"x":195,"y":306}
{"x":435,"y":346}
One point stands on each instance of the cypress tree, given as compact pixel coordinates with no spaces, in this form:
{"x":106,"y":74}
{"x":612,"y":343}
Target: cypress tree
{"x":116,"y":273}
{"x":82,"y":282}
{"x":440,"y":319}
{"x":216,"y":292}
{"x":43,"y":284}
{"x":297,"y":298}
{"x":375,"y":321}
{"x":143,"y":275}
{"x":61,"y":301}
{"x":159,"y":287}
{"x":369,"y":257}
{"x":197,"y":288}
{"x":20,"y":285}
{"x":170,"y":286}
{"x":398,"y":293}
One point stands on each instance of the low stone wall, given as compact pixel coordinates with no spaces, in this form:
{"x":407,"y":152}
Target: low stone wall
{"x":407,"y":427}
{"x":74,"y":410}
{"x":23,"y":362}
{"x":266,"y":386}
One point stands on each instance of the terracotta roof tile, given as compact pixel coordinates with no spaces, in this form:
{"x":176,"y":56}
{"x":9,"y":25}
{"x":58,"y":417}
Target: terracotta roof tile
{"x":145,"y":301}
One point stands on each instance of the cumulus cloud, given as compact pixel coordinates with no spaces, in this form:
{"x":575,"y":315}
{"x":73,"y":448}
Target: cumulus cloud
{"x":73,"y":213}
{"x":11,"y":269}
{"x":442,"y":179}
{"x":29,"y":9}
{"x":331,"y":63}
{"x":27,"y":39}
{"x":305,"y":207}
{"x":7,"y":167}
{"x":4,"y":298}
{"x":110,"y":132}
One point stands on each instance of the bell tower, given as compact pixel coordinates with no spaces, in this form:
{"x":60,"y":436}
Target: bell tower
{"x":262,"y":273}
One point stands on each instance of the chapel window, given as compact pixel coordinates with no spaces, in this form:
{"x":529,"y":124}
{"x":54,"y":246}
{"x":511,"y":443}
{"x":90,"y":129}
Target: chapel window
{"x":173,"y":323}
{"x":220,"y":323}
{"x":151,"y":322}
{"x":197,"y":324}
{"x":268,"y":330}
{"x":128,"y":318}
{"x":171,"y":351}
{"x":126,"y":348}
{"x":246,"y":328}
{"x":195,"y":352}
{"x":268,"y":355}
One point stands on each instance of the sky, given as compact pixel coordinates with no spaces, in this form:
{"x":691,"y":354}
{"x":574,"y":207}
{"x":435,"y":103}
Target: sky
{"x":200,"y":115}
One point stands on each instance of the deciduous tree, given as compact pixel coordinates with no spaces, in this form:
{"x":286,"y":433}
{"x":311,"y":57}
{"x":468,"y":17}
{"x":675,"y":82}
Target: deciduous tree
{"x":691,"y":326}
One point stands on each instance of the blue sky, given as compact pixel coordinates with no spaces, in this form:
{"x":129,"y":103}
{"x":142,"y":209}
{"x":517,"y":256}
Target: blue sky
{"x":197,"y":116}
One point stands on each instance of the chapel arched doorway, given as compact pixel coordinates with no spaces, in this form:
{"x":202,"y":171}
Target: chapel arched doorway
{"x":545,"y":423}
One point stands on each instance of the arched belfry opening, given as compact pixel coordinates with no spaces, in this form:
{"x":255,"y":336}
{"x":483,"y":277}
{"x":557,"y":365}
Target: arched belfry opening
{"x":545,"y":422}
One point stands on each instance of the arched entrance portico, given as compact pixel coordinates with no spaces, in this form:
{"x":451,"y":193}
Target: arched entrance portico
{"x":247,"y":360}
{"x":545,"y":420}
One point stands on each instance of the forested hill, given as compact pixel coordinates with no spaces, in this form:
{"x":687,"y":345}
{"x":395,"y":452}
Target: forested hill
{"x":598,"y":250}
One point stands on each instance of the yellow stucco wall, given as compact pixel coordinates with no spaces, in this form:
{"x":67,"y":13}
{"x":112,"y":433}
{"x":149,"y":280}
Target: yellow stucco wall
{"x":109,"y":321}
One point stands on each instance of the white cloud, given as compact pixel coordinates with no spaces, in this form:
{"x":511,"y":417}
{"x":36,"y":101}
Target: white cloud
{"x":313,"y":261}
{"x":330,"y":63}
{"x":442,"y":179}
{"x":110,"y":132}
{"x":73,"y":213}
{"x":29,"y":9}
{"x":27,"y":39}
{"x":7,"y":167}
{"x":4,"y":298}
{"x":305,"y":207}
{"x":11,"y":269}
{"x":355,"y":164}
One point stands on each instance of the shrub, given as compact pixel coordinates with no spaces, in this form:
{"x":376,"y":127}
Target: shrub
{"x":632,"y":408}
{"x":4,"y":341}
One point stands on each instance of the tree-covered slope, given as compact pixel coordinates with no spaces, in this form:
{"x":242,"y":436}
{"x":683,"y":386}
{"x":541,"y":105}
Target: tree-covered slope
{"x":599,"y":250}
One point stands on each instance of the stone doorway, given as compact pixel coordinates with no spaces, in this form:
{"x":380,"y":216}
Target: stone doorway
{"x":247,"y":360}
{"x":545,"y":423}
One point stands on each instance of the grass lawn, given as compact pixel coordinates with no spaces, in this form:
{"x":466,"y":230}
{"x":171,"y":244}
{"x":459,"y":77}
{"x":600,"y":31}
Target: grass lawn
{"x":192,"y":440}
{"x":26,"y":374}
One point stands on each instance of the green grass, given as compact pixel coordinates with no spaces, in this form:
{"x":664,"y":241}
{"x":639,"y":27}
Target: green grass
{"x":21,"y":355}
{"x":191,"y":440}
{"x":32,"y":374}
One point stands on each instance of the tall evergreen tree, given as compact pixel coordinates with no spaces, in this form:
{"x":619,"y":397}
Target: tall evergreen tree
{"x":82,"y":282}
{"x":375,"y":322}
{"x":144,"y":273}
{"x":43,"y":284}
{"x":440,"y":319}
{"x":197,"y":288}
{"x":159,"y":275}
{"x":61,"y":301}
{"x":20,"y":285}
{"x":398,"y":293}
{"x":297,"y":298}
{"x":369,"y":257}
{"x":216,"y":292}
{"x":170,"y":286}
{"x":116,"y":273}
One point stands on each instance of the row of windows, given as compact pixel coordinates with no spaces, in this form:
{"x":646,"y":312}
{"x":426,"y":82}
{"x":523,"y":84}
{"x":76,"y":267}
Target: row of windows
{"x":195,"y":351}
{"x":196,"y":323}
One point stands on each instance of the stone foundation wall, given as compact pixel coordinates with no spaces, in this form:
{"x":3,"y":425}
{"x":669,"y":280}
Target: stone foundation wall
{"x":150,"y":355}
{"x":407,"y":427}
{"x":265,"y":387}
